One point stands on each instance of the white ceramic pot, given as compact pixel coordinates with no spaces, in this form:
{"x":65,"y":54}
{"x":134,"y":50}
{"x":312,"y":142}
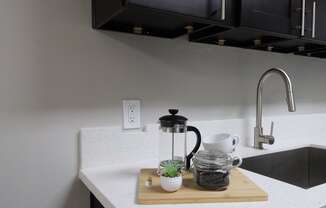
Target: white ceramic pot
{"x":171,"y":184}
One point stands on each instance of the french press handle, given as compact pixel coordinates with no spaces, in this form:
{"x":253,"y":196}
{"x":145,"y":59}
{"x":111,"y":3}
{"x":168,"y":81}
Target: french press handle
{"x":197,"y":146}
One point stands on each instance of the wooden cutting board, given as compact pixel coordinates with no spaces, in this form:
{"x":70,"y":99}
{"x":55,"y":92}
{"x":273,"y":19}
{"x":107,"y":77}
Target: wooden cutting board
{"x":241,"y":189}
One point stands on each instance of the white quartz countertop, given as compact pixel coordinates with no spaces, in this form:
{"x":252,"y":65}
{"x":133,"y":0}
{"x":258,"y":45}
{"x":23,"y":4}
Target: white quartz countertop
{"x":115,"y":186}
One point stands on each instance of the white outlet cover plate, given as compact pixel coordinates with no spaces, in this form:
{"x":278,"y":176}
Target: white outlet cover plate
{"x":131,"y":114}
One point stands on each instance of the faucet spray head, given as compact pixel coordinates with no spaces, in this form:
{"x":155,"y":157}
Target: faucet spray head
{"x":290,"y":100}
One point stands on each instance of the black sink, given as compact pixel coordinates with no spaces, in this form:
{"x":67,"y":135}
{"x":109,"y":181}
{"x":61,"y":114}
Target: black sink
{"x":304,"y":167}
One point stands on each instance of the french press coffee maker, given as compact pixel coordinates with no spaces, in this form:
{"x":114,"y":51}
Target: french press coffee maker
{"x":173,"y":140}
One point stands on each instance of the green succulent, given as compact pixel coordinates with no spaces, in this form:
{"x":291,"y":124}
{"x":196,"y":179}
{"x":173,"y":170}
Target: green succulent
{"x":171,"y":169}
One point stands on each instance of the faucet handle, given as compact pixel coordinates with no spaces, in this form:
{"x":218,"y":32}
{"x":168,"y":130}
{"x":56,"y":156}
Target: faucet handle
{"x":272,"y":128}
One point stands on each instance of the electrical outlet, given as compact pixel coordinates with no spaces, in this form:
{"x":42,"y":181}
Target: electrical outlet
{"x":131,"y":114}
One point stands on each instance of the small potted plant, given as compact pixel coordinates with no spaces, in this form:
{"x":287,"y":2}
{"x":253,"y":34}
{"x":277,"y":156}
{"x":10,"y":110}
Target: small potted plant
{"x":170,"y":177}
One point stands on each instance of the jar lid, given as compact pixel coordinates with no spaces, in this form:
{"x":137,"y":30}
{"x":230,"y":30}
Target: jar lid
{"x":172,"y":119}
{"x":212,"y":160}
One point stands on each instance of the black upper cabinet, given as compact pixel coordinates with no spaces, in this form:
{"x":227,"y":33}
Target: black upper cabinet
{"x":315,"y":30}
{"x":311,"y":28}
{"x":287,"y":26}
{"x":261,"y":24}
{"x":166,"y":18}
{"x":148,"y":17}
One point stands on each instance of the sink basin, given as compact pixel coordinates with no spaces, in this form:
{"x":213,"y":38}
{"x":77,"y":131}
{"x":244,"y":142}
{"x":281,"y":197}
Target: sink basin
{"x":304,"y":167}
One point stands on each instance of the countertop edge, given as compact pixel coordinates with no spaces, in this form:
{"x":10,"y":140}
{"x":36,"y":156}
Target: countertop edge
{"x":95,"y":191}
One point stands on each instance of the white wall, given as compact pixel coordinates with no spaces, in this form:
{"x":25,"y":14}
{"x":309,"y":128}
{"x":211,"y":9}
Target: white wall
{"x":58,"y":75}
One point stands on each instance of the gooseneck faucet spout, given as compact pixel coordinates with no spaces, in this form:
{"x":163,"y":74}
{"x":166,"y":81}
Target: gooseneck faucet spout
{"x":260,"y":138}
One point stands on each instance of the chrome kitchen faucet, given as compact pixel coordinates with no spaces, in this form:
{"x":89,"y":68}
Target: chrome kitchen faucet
{"x":260,"y":138}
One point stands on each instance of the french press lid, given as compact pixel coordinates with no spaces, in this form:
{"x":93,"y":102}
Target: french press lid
{"x":170,"y":121}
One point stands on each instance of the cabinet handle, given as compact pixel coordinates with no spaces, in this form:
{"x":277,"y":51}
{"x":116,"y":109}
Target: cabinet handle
{"x":303,"y":16}
{"x":223,"y":10}
{"x":314,"y":20}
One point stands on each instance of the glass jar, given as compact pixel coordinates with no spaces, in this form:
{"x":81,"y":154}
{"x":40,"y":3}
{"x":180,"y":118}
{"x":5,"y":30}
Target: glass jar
{"x":211,"y":170}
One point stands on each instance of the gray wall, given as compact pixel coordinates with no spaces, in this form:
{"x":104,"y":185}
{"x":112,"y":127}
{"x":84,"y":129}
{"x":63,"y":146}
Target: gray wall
{"x":58,"y":75}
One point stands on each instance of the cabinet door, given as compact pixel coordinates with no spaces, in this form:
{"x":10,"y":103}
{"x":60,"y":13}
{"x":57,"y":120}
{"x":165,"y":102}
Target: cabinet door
{"x":304,"y":17}
{"x":215,"y":10}
{"x":312,"y":20}
{"x":186,"y":7}
{"x":318,"y":28}
{"x":267,"y":15}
